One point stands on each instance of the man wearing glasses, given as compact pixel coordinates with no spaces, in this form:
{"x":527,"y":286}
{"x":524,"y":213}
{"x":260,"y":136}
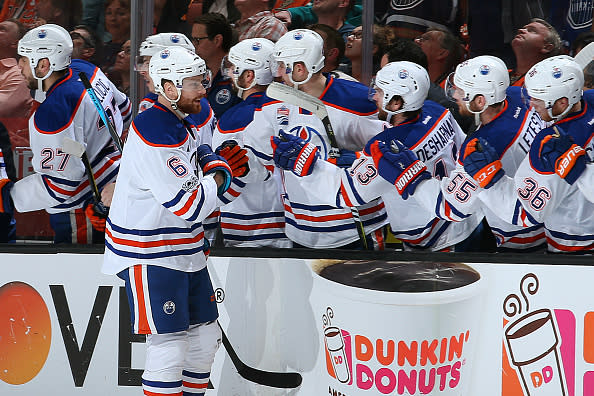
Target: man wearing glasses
{"x":212,"y":37}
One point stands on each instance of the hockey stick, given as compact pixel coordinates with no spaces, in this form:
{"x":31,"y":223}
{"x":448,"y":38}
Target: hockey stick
{"x":316,"y":106}
{"x":76,"y":149}
{"x":101,"y":111}
{"x":267,"y":378}
{"x":585,"y":56}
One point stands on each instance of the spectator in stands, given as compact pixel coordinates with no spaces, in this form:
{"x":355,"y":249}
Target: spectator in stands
{"x":93,"y":16}
{"x":300,"y":17}
{"x":14,"y":95}
{"x":333,"y":50}
{"x":170,"y":16}
{"x":581,"y":41}
{"x":66,"y":13}
{"x":224,"y":7}
{"x":117,"y":24}
{"x":444,"y":52}
{"x":7,"y":222}
{"x":534,"y":42}
{"x":87,"y":44}
{"x":212,"y":37}
{"x":354,"y":49}
{"x":121,"y":69}
{"x":406,"y":50}
{"x":258,"y":21}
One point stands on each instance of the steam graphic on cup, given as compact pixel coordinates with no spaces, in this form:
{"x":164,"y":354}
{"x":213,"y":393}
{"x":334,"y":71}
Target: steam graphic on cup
{"x":532,"y":343}
{"x":335,"y":347}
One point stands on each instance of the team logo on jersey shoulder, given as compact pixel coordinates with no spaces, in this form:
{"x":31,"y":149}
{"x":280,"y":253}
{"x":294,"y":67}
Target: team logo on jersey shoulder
{"x":169,"y":307}
{"x":282,"y":115}
{"x":223,"y":96}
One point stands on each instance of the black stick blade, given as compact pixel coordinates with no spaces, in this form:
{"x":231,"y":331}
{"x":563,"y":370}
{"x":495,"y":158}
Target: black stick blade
{"x":266,"y":378}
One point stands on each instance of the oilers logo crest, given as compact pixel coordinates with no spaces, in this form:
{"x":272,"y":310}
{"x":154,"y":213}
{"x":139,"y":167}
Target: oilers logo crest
{"x":311,"y":135}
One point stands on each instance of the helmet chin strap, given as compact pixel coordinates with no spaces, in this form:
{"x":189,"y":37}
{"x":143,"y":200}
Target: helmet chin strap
{"x":559,"y":116}
{"x":477,"y":114}
{"x":40,"y":79}
{"x":173,"y":103}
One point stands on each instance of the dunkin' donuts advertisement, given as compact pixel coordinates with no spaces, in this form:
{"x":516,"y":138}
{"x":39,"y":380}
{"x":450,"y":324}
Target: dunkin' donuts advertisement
{"x":429,"y":315}
{"x":298,"y":327}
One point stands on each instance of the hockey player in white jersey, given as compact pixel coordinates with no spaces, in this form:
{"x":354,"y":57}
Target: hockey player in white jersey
{"x":255,"y":218}
{"x":299,"y":54}
{"x":480,"y":87}
{"x":430,"y":129}
{"x":154,"y":236}
{"x":59,"y":184}
{"x":536,"y":194}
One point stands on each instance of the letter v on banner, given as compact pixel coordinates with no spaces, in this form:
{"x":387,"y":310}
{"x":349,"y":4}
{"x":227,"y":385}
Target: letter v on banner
{"x":79,"y":359}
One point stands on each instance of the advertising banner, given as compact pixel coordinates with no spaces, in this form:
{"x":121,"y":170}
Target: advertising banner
{"x":313,"y":327}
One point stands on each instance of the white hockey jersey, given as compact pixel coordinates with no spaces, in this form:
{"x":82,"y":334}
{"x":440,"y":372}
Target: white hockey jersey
{"x":205,"y":123}
{"x":510,"y":133}
{"x":354,"y":120}
{"x":160,"y":199}
{"x":535,"y":195}
{"x":256,"y":218}
{"x":434,"y":136}
{"x":59,"y":183}
{"x":586,"y":181}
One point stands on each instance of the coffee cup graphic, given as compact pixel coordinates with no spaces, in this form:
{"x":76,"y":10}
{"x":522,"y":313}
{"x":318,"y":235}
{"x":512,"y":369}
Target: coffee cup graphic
{"x":532,"y":344}
{"x":335,"y":346}
{"x":397,"y":327}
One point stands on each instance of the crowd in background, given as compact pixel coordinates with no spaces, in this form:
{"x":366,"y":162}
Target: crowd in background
{"x":435,"y":34}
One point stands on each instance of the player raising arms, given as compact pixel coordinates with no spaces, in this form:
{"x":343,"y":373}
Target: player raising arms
{"x":154,"y":236}
{"x":400,"y":95}
{"x":536,"y":193}
{"x":300,"y":58}
{"x":59,"y":184}
{"x":256,"y":217}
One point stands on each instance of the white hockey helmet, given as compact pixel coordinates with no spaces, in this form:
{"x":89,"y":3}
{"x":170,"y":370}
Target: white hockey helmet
{"x":155,"y":43}
{"x":251,"y":54}
{"x":555,"y":78}
{"x":175,"y":64}
{"x":46,"y":41}
{"x":405,"y":79}
{"x":484,"y":75}
{"x":300,"y":45}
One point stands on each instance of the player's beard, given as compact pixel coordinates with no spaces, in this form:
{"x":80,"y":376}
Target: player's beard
{"x":189,"y":105}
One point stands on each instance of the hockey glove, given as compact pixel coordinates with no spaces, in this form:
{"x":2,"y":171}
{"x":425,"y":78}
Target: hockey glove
{"x":6,"y":205}
{"x":97,"y":213}
{"x":345,"y":159}
{"x":398,"y":165}
{"x":294,"y":154}
{"x":481,"y":161}
{"x":561,"y":155}
{"x":212,"y":163}
{"x":236,"y":157}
